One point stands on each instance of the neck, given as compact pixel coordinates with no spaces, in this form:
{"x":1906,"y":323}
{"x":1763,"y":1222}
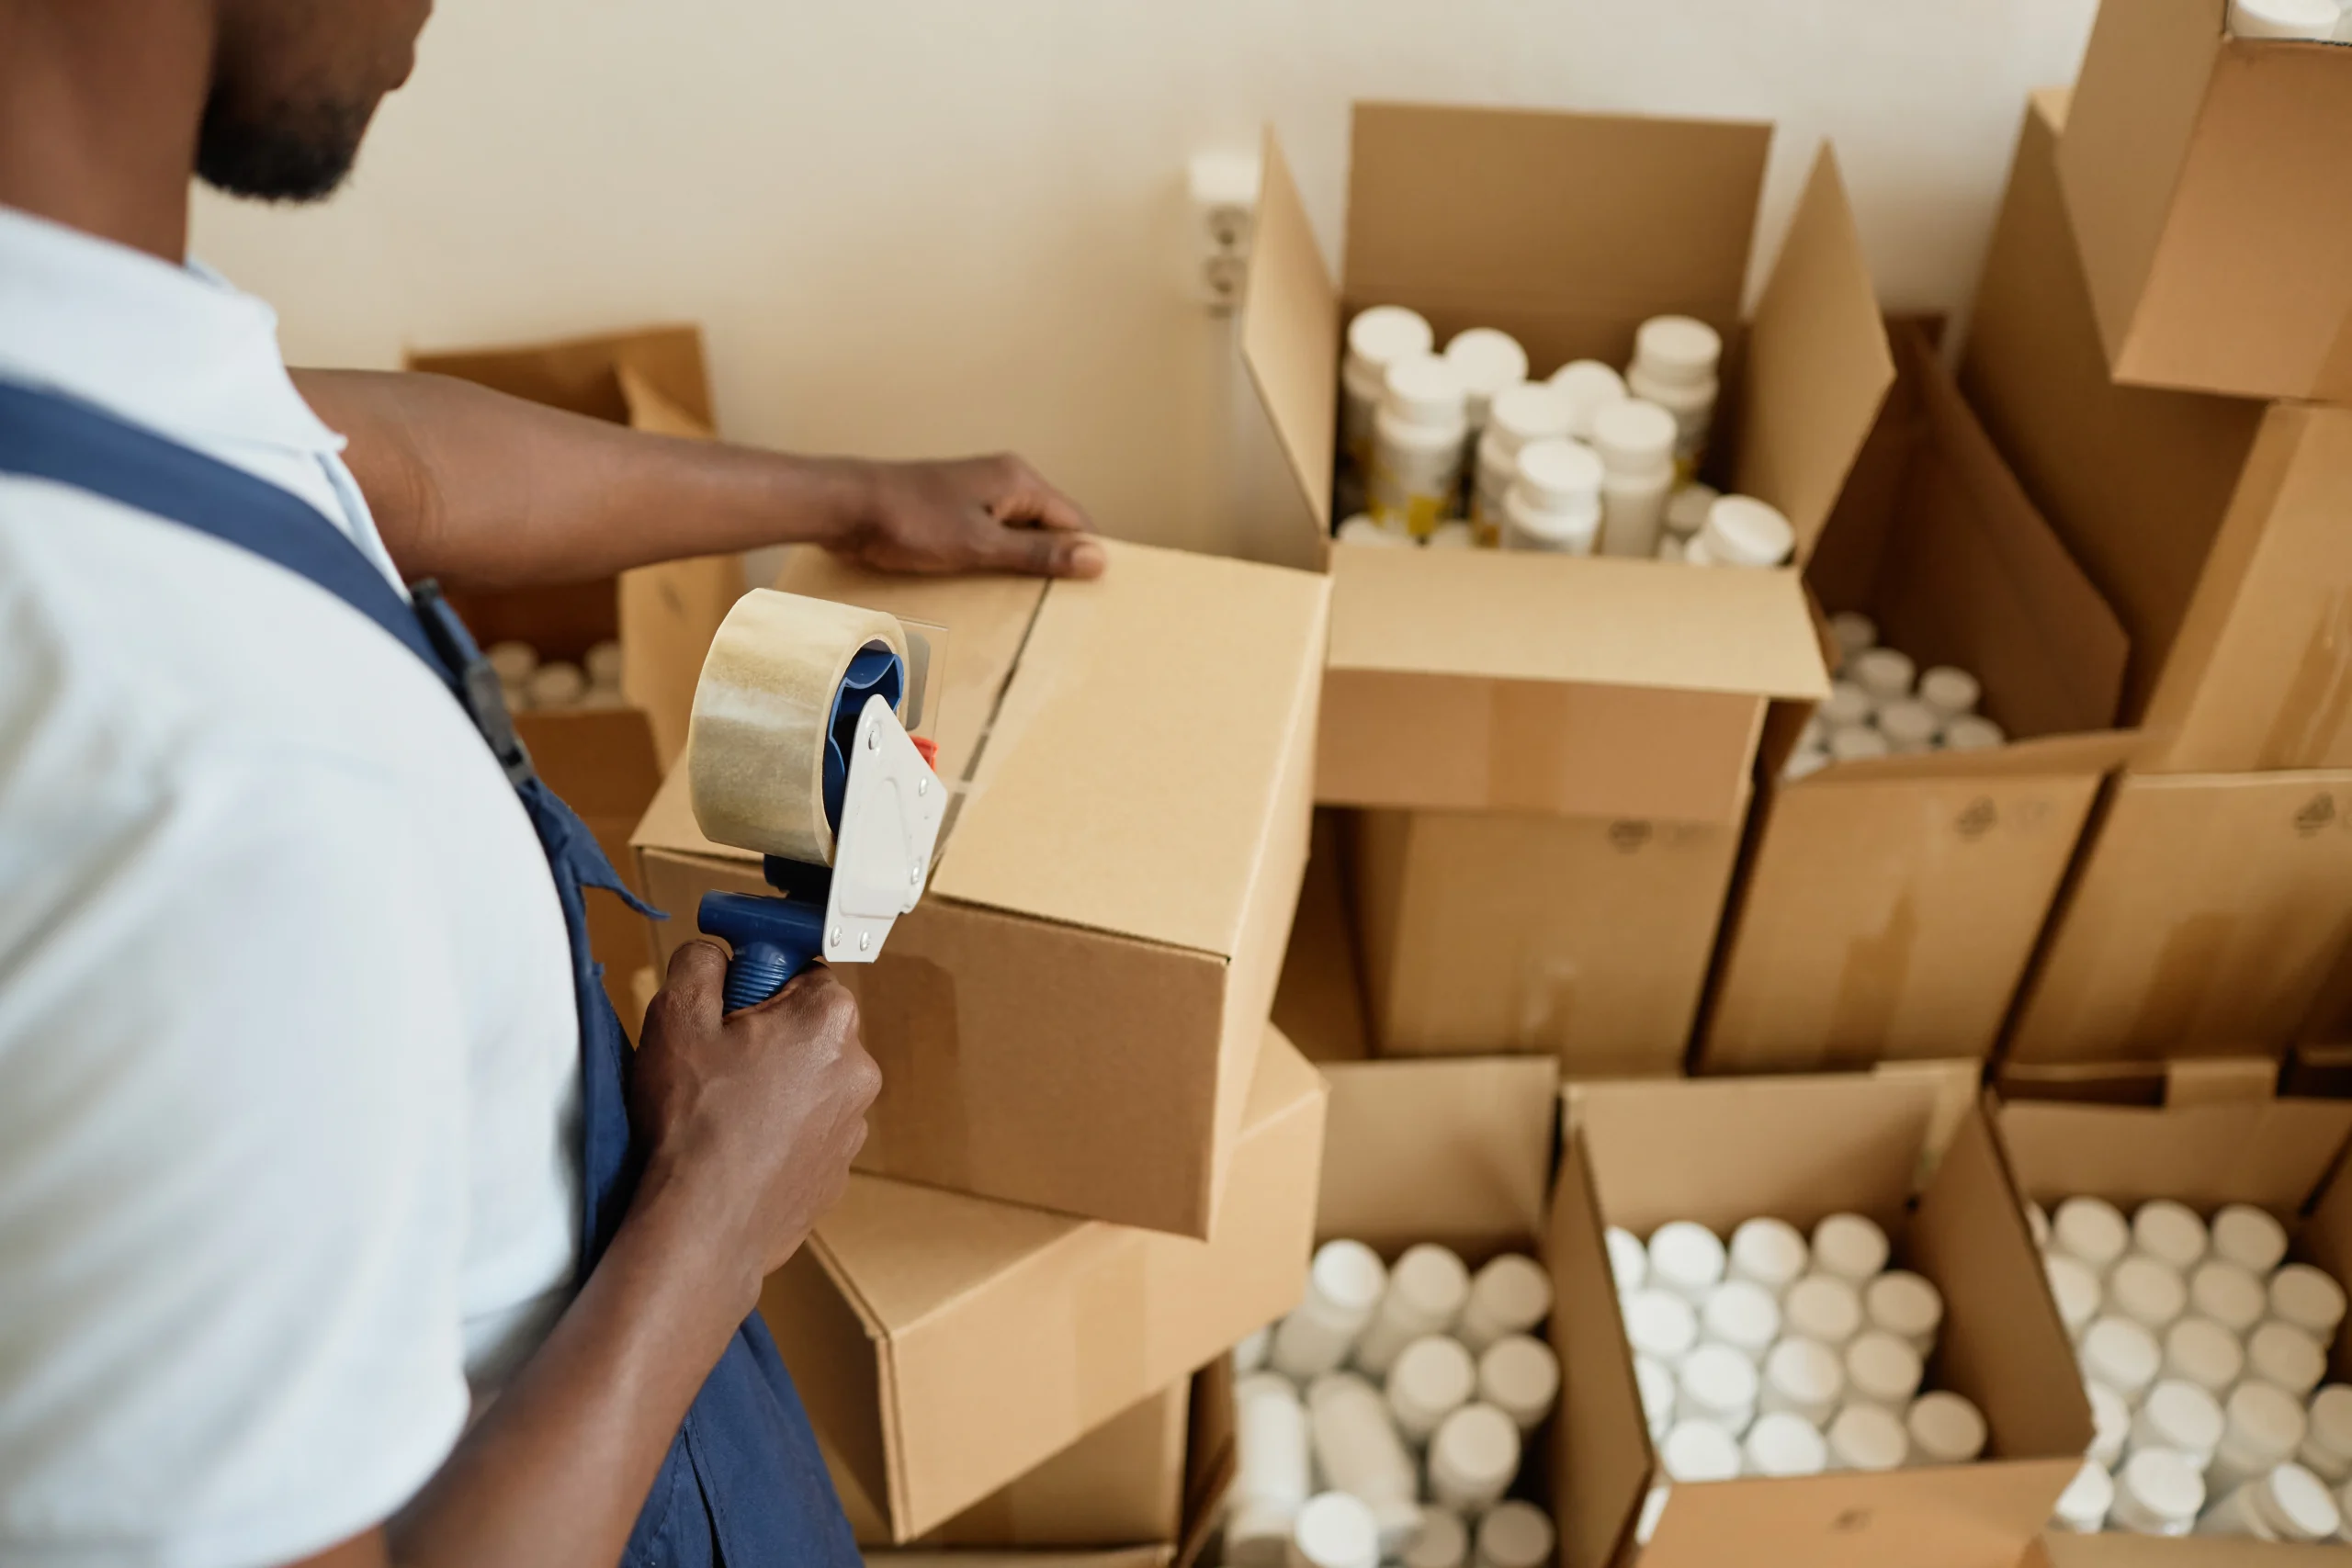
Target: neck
{"x":99,"y":105}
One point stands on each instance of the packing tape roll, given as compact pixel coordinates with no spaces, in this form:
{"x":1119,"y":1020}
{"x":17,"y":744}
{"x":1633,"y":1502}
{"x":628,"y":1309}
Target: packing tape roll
{"x":755,"y":747}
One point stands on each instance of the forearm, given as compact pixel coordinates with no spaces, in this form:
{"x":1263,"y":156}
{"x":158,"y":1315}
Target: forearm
{"x":556,"y":1469}
{"x":484,"y":490}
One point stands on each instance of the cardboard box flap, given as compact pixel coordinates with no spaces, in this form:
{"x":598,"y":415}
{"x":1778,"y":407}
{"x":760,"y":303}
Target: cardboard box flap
{"x":1290,"y":337}
{"x":1600,"y":620}
{"x":2272,"y":1154}
{"x":1136,"y":740}
{"x":1566,"y":230}
{"x":2057,"y":755}
{"x":1818,"y":365}
{"x":1446,"y":1150}
{"x":2061,"y":1549}
{"x":580,"y":374}
{"x":1601,"y":1454}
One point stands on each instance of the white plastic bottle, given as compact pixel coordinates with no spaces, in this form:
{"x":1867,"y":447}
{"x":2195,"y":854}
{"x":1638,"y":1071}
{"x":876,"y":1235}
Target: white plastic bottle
{"x":2307,"y":1299}
{"x":1741,"y":1316}
{"x":1717,"y":1385}
{"x":556,"y":684}
{"x":1635,"y":442}
{"x":1906,"y":1305}
{"x":2199,"y":1350}
{"x":1487,"y":360}
{"x":1884,"y":1370}
{"x":1629,"y":1260}
{"x":2309,"y":20}
{"x":1945,"y":1428}
{"x":1439,"y":1540}
{"x":2262,"y":1426}
{"x":1656,"y":1380}
{"x":2290,"y":1505}
{"x":2148,"y":1292}
{"x":1521,"y":1377}
{"x":2327,"y":1449}
{"x":1554,"y":502}
{"x":1590,"y":386}
{"x":2168,"y":1232}
{"x":2110,"y":1424}
{"x":2249,"y":1237}
{"x":1687,"y":1258}
{"x":1515,"y":1535}
{"x":1823,"y":1308}
{"x":2075,"y":1289}
{"x":512,"y":661}
{"x":1769,"y":1253}
{"x":2180,"y":1417}
{"x":1674,"y":366}
{"x":1271,"y":1471}
{"x":2157,"y":1492}
{"x":1973,"y":732}
{"x":1693,"y":1453}
{"x":604,"y":663}
{"x":1866,"y":1437}
{"x":1419,"y":439}
{"x":1847,"y":705}
{"x":1886,"y":673}
{"x":1431,"y":1380}
{"x":2083,"y":1507}
{"x":2089,"y":1230}
{"x":1364,"y":529}
{"x":1780,"y":1444}
{"x":1377,"y":338}
{"x":1358,"y":1450}
{"x":1473,"y":1458}
{"x":1856,"y":743}
{"x":2123,"y":1355}
{"x":1910,"y":726}
{"x":1249,"y":1351}
{"x":1951,"y":692}
{"x":1853,"y":1247}
{"x":1427,"y":1288}
{"x":1802,"y":1379}
{"x":1335,"y":1531}
{"x":1686,"y":514}
{"x":1742,"y":531}
{"x":1854,"y":631}
{"x":1453,"y":536}
{"x":2230,"y":1296}
{"x":2281,"y":1354}
{"x":1511,"y":1295}
{"x":1343,"y":1285}
{"x":1519,"y":417}
{"x":1660,"y":1325}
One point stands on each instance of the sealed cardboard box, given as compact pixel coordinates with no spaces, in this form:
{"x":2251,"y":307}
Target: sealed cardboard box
{"x":1526,"y":681}
{"x":1069,"y":1017}
{"x":946,"y":1345}
{"x":1889,"y":907}
{"x":2211,"y":203}
{"x":2211,"y":525}
{"x":607,"y":762}
{"x":1582,"y":938}
{"x":1722,"y":1151}
{"x":2204,"y":919}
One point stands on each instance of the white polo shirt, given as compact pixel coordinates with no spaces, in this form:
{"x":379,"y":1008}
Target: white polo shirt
{"x":288,"y":1055}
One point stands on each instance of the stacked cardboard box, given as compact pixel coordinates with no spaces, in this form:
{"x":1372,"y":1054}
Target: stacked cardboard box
{"x":1552,"y":754}
{"x":2214,"y":894}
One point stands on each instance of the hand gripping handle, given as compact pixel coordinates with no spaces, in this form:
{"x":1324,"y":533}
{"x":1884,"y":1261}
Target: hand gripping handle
{"x":773,"y":939}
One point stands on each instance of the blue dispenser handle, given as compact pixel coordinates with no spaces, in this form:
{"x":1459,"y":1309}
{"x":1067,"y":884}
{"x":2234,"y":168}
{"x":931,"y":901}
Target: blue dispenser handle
{"x":773,"y":939}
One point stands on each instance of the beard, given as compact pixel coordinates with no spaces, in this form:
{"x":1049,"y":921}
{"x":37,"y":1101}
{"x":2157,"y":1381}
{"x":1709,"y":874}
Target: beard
{"x":286,"y":151}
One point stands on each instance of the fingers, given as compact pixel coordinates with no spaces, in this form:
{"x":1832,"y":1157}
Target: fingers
{"x":698,"y":974}
{"x":1039,"y":553}
{"x":1027,"y":497}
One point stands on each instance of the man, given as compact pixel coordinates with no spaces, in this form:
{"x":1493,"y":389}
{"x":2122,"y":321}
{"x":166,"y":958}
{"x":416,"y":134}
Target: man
{"x":297,"y":1065}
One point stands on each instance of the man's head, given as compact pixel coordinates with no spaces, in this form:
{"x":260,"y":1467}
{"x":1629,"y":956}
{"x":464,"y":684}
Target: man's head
{"x":294,"y":84}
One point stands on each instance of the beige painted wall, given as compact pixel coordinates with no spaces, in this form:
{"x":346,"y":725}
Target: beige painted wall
{"x":918,"y":226}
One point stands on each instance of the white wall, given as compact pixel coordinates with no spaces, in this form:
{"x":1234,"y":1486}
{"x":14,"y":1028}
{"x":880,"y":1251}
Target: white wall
{"x":926,"y":226}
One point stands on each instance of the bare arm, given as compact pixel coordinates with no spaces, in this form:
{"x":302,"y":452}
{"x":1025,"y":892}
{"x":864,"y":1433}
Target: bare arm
{"x":485,"y":490}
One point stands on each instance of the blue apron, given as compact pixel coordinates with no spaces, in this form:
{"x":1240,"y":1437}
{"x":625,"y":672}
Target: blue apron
{"x":742,"y":1485}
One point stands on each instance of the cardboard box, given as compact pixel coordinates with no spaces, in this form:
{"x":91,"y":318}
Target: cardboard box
{"x":1888,"y":908}
{"x":2211,"y":525}
{"x":1318,"y":1002}
{"x":2061,"y":1550}
{"x":1597,"y":687}
{"x":1582,"y":938}
{"x":2213,"y":206}
{"x":1721,"y":1151}
{"x":2221,"y":1080}
{"x":946,"y":1345}
{"x":1069,"y":1017}
{"x":607,"y":762}
{"x":2204,"y":919}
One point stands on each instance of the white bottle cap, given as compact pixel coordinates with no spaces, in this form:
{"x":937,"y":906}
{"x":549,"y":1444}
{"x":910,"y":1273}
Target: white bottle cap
{"x":1767,"y":1252}
{"x":2312,"y":20}
{"x":1909,"y":725}
{"x":1719,"y":1385}
{"x":1973,"y":732}
{"x":2300,"y":1506}
{"x":1656,"y":1380}
{"x":2123,"y":1355}
{"x":1868,"y":1438}
{"x":1385,"y":333}
{"x":1847,"y":705}
{"x":512,"y":661}
{"x":1249,"y":1352}
{"x":2147,"y":1292}
{"x":2161,"y":1485}
{"x":1348,"y":1275}
{"x":2075,"y":1289}
{"x":1883,"y":1370}
{"x":1521,"y":1377}
{"x":1687,"y":1258}
{"x":1629,"y":1260}
{"x":1423,"y":390}
{"x":1780,"y":1444}
{"x":1336,"y":1530}
{"x":1744,"y":531}
{"x":2327,"y":1437}
{"x":1905,"y":1305}
{"x":1804,"y":761}
{"x":604,"y":662}
{"x":2037,"y":1221}
{"x":1856,"y":743}
{"x":1473,"y":1457}
{"x":2263,"y":1424}
{"x":1591,"y":387}
{"x":2083,"y":1507}
{"x":1945,"y":1429}
{"x":1804,"y":1376}
{"x":1741,"y":1316}
{"x":1854,"y":631}
{"x":1884,"y":672}
{"x":1851,"y":1246}
{"x":1699,"y":1450}
{"x":2170,"y":1232}
{"x":1488,"y":361}
{"x":1452,"y":536}
{"x":2092,"y":1229}
{"x":2282,"y":1354}
{"x":2111,"y":1424}
{"x":1686,"y":509}
{"x":1430,"y":1283}
{"x":1515,"y":1535}
{"x":1361,"y":529}
{"x":2182,"y":1418}
{"x":1558,"y":474}
{"x":1440,"y":1539}
{"x":2306,"y":1297}
{"x":1430,"y":1378}
{"x":1660,"y":1325}
{"x":2249,"y":1237}
{"x":556,"y":685}
{"x":1510,"y":1295}
{"x":1822,"y":1308}
{"x":1676,"y":348}
{"x":1949,"y":690}
{"x":1529,"y":411}
{"x":2228,"y":1294}
{"x":2199,"y":1350}
{"x":1633,"y":436}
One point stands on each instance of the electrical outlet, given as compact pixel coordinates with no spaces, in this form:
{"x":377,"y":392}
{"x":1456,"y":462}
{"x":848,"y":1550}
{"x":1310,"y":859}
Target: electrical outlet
{"x":1223,"y":192}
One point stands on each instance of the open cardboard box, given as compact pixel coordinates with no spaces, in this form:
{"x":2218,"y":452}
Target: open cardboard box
{"x":947,"y":1345}
{"x":1586,"y":686}
{"x":2059,"y":1550}
{"x":2213,"y":203}
{"x":1069,"y":1017}
{"x":607,"y":762}
{"x":1888,"y":908}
